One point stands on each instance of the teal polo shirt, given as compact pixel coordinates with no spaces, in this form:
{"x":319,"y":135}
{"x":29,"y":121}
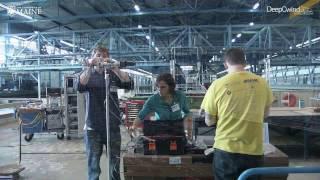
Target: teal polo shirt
{"x":178,"y":109}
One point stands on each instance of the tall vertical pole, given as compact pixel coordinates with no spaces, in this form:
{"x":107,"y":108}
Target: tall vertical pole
{"x":270,"y":37}
{"x":229,"y":36}
{"x":39,"y":86}
{"x":107,"y":81}
{"x":39,"y":52}
{"x":150,"y":44}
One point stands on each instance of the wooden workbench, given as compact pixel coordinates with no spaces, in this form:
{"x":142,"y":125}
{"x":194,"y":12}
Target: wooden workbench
{"x":152,"y":167}
{"x":292,"y":111}
{"x":304,"y":119}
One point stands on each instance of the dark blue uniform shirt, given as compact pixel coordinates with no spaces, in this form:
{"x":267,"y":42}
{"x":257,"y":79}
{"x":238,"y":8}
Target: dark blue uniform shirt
{"x":95,"y":100}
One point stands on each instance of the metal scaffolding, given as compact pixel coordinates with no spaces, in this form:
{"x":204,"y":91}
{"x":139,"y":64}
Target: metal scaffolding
{"x":283,"y":44}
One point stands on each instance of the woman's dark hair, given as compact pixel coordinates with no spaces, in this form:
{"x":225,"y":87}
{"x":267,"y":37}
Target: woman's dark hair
{"x":167,"y":78}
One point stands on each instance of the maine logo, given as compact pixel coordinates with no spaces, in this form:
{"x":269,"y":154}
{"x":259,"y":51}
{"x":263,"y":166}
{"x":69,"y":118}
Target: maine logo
{"x":26,"y":10}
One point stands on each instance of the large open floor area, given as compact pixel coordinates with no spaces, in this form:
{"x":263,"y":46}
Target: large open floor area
{"x":159,"y":89}
{"x":46,"y":157}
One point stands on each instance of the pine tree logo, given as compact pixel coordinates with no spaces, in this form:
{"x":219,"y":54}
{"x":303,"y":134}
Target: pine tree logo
{"x":12,"y":10}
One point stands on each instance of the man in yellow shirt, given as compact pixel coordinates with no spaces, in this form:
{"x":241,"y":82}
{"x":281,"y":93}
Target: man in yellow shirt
{"x":237,"y":103}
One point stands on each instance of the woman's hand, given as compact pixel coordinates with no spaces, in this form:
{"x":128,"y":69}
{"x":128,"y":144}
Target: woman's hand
{"x":135,"y":129}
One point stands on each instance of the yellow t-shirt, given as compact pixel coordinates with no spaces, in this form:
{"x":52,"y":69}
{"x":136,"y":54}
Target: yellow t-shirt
{"x":238,"y":100}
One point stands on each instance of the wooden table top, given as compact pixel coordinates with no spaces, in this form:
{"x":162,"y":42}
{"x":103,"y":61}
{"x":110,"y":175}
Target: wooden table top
{"x":292,"y":111}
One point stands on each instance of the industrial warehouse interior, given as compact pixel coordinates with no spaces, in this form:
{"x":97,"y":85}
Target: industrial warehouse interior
{"x":73,"y":68}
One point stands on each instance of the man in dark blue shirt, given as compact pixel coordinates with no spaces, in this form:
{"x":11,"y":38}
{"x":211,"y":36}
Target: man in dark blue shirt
{"x":92,"y":81}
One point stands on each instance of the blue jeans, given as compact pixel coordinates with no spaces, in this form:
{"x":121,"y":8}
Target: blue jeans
{"x":229,"y":166}
{"x":94,"y":141}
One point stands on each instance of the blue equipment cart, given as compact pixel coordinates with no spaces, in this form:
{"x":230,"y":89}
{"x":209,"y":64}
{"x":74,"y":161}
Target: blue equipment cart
{"x":40,"y":120}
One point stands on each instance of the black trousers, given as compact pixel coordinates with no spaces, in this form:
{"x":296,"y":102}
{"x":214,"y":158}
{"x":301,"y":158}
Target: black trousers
{"x":229,"y":166}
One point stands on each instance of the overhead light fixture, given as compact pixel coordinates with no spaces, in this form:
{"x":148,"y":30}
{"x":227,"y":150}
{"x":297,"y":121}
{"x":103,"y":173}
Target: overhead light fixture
{"x":256,"y":5}
{"x":315,"y":39}
{"x":147,"y":37}
{"x":20,"y":38}
{"x":306,"y":43}
{"x":67,"y":43}
{"x":13,"y":11}
{"x":186,"y":68}
{"x":136,"y":7}
{"x":239,"y":35}
{"x":157,"y":49}
{"x":233,"y":40}
{"x":152,"y":43}
{"x":290,"y":47}
{"x":251,"y":23}
{"x":140,"y":26}
{"x":223,"y":48}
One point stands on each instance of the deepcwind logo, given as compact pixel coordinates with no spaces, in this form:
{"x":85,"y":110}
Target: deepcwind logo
{"x":285,"y":9}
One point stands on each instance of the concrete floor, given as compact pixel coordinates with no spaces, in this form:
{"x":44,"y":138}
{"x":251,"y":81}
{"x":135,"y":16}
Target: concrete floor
{"x":53,"y":159}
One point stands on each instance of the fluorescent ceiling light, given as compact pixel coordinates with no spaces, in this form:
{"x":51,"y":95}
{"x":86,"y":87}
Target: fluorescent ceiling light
{"x":15,"y":12}
{"x":251,"y":23}
{"x":186,"y":68}
{"x":147,"y":37}
{"x":139,"y":26}
{"x":136,"y":7}
{"x":67,"y":43}
{"x":20,"y":38}
{"x":157,"y":49}
{"x":239,"y":35}
{"x":256,"y":5}
{"x":315,"y":39}
{"x":306,"y":43}
{"x":152,"y":43}
{"x":233,"y":40}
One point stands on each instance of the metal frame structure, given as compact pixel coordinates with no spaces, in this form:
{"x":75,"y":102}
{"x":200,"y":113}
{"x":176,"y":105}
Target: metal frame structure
{"x":155,"y":45}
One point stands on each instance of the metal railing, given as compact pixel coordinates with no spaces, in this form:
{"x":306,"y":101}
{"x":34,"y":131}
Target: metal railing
{"x":277,"y":170}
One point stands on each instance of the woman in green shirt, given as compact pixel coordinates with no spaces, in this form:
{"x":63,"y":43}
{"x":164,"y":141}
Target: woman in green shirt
{"x":167,"y":104}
